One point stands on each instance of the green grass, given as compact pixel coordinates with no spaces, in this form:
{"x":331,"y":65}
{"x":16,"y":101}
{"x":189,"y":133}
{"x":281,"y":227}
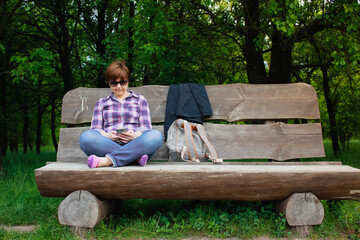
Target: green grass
{"x":21,"y":204}
{"x":349,"y":157}
{"x":20,"y":201}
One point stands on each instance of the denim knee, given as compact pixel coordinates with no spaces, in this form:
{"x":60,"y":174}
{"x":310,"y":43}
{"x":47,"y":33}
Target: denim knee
{"x":154,"y":138}
{"x":86,"y":138}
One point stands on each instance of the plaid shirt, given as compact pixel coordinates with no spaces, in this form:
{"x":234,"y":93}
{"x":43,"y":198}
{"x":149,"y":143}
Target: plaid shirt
{"x":132,"y":113}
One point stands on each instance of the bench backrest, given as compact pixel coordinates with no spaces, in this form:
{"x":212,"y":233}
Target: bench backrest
{"x":276,"y":106}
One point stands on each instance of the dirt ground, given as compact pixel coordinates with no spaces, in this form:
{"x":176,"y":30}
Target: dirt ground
{"x":20,"y":228}
{"x":257,"y":238}
{"x":30,"y":228}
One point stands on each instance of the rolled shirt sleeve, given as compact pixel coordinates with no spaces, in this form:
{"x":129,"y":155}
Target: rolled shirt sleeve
{"x":145,"y":118}
{"x":97,"y":121}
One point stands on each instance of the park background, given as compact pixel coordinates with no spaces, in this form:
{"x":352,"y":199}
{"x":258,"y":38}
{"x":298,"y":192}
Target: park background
{"x":50,"y":47}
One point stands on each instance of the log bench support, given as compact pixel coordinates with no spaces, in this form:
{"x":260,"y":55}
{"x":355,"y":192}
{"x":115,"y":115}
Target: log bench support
{"x":83,"y":210}
{"x":302,"y":211}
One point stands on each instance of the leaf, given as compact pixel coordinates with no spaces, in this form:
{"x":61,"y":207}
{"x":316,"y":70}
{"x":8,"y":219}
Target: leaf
{"x":2,"y":48}
{"x":141,"y":214}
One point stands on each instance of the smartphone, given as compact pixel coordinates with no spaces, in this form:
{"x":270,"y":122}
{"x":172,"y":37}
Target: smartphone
{"x":121,"y":130}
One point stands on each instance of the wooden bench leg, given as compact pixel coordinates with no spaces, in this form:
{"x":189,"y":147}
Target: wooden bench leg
{"x":81,"y":209}
{"x":302,"y":211}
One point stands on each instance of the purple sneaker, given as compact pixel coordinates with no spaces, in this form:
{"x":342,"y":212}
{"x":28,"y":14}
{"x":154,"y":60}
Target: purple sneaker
{"x":143,"y":160}
{"x":93,"y":161}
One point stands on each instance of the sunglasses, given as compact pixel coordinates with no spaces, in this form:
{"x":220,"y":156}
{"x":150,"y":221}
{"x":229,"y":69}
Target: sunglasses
{"x":115,"y":83}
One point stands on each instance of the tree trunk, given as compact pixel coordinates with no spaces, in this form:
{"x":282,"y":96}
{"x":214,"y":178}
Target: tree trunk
{"x":254,"y":60}
{"x":147,"y":71}
{"x":11,"y":145}
{"x":130,"y":61}
{"x":280,"y":67}
{"x":53,"y":124}
{"x":282,"y":46}
{"x":64,"y":49}
{"x":38,"y":126}
{"x":100,"y":46}
{"x":3,"y":115}
{"x":331,"y":110}
{"x":16,"y":144}
{"x":30,"y":144}
{"x":25,"y":130}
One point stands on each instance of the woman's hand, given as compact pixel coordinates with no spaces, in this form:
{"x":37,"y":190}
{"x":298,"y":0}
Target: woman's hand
{"x":111,"y":135}
{"x":129,"y":136}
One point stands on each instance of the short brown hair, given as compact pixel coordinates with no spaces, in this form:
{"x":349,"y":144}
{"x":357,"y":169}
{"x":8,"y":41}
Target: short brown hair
{"x":117,"y":70}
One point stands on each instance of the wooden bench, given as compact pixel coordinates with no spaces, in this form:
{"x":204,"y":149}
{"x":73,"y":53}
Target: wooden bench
{"x":278,"y":122}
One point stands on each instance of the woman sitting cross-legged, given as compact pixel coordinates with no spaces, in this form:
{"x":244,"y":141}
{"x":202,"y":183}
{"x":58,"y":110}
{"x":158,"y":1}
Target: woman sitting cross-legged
{"x":120,"y":132}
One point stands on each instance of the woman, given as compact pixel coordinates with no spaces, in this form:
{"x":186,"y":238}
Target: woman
{"x":126,"y":112}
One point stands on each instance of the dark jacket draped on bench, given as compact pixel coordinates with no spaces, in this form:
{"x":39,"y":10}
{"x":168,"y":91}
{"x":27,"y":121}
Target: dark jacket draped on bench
{"x":188,"y":101}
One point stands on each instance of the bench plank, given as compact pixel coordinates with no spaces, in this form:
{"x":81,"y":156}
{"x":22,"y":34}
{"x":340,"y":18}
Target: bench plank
{"x":230,"y":102}
{"x":277,"y":141}
{"x":188,"y":181}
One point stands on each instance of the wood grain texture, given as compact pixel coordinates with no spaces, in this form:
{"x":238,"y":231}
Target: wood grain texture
{"x":276,"y":141}
{"x":83,"y":209}
{"x":230,"y":102}
{"x":302,"y":231}
{"x":188,"y":181}
{"x":302,"y":209}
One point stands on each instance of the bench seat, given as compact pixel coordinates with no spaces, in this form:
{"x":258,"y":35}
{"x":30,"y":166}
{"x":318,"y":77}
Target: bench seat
{"x":202,"y":181}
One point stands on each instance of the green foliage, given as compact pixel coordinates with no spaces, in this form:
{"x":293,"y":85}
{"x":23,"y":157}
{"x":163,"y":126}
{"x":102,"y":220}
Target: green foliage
{"x":2,"y":49}
{"x":349,"y":217}
{"x":285,"y":22}
{"x":35,"y":67}
{"x":51,"y":47}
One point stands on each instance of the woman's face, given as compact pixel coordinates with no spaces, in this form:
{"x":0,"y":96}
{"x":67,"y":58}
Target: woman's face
{"x":119,"y":88}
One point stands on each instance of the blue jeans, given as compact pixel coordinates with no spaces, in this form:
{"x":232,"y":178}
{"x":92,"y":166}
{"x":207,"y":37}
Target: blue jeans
{"x":91,"y":142}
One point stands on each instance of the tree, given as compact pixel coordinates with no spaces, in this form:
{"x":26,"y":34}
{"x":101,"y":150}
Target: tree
{"x":9,"y":12}
{"x":36,"y":70}
{"x":99,"y":20}
{"x":61,"y":45}
{"x":335,"y":54}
